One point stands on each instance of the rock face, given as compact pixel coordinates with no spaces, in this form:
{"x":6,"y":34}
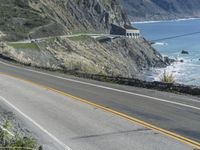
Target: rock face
{"x":140,"y":10}
{"x":37,"y":18}
{"x":120,"y":57}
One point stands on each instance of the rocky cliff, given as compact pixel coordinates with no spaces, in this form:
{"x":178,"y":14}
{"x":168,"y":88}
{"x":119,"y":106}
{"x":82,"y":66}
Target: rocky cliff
{"x":140,"y":10}
{"x":37,"y":18}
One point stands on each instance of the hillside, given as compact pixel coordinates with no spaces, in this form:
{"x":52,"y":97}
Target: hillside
{"x":37,"y":18}
{"x":77,"y":52}
{"x":140,"y":10}
{"x":120,"y":57}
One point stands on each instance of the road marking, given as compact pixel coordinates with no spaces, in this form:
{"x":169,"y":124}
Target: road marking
{"x":35,"y":123}
{"x":170,"y":134}
{"x":107,"y":88}
{"x":193,"y":100}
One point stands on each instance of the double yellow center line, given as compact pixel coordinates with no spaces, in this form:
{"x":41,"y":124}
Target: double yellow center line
{"x":175,"y":136}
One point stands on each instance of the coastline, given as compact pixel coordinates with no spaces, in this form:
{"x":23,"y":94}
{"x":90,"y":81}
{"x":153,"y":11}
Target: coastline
{"x":157,"y":21}
{"x":187,"y":71}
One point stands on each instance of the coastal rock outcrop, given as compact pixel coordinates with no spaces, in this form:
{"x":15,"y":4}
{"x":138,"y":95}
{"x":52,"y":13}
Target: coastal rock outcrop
{"x":184,"y":52}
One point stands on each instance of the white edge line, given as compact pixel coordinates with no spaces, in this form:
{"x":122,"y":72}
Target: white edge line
{"x":108,"y":88}
{"x":35,"y":123}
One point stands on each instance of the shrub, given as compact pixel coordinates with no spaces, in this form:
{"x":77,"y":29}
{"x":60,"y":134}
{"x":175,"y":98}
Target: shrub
{"x":167,"y":77}
{"x":8,"y":141}
{"x":25,"y":143}
{"x":4,"y":134}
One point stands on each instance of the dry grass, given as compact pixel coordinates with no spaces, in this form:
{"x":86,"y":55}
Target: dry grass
{"x":8,"y":141}
{"x":167,"y":77}
{"x":31,"y":46}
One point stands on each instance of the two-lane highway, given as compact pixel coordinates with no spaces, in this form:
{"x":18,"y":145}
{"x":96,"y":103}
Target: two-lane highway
{"x":62,"y":123}
{"x":176,"y":113}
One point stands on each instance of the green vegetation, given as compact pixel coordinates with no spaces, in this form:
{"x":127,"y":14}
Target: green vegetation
{"x":31,"y":46}
{"x":23,"y":143}
{"x":167,"y":77}
{"x":10,"y":142}
{"x":4,"y":135}
{"x":79,"y":38}
{"x":103,"y":38}
{"x":17,"y":19}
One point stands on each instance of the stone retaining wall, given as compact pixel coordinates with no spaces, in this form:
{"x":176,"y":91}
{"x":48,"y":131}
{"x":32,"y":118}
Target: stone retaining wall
{"x":176,"y":88}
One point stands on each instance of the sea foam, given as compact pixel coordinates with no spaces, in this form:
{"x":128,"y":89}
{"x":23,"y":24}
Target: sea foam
{"x":158,"y":21}
{"x":161,"y":43}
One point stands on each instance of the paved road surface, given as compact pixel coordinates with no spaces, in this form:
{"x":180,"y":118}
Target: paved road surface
{"x":176,"y":113}
{"x":68,"y":36}
{"x":73,"y":125}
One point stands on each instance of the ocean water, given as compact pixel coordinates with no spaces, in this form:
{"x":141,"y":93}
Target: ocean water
{"x":187,"y":72}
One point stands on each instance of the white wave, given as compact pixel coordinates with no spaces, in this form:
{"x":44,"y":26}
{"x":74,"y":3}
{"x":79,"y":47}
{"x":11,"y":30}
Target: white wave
{"x":181,"y":73}
{"x":175,"y":69}
{"x":161,"y":43}
{"x":192,"y":65}
{"x":175,"y":20}
{"x":186,"y":19}
{"x":145,"y":22}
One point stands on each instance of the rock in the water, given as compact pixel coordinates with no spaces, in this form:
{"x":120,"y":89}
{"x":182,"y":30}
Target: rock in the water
{"x":168,"y":60}
{"x":184,"y":52}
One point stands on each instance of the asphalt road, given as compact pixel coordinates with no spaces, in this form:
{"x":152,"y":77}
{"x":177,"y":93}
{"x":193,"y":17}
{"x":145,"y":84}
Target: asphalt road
{"x":176,"y":113}
{"x":62,"y":123}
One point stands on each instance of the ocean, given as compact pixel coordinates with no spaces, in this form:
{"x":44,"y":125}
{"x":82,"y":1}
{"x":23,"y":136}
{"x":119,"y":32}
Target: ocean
{"x":187,"y":72}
